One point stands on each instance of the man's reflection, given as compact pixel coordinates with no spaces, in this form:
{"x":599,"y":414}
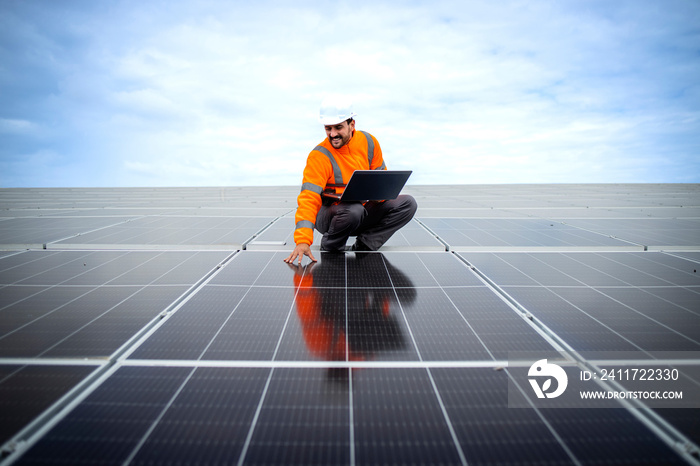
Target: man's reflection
{"x":362,"y":284}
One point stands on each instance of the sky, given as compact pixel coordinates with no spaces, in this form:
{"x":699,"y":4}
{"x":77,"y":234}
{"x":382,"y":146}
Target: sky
{"x":119,"y":93}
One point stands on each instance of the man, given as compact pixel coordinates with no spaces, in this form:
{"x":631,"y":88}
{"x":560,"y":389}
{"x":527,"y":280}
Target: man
{"x":329,"y":166}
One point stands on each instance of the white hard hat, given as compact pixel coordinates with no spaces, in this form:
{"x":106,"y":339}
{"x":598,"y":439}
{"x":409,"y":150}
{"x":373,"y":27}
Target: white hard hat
{"x":336,"y":109}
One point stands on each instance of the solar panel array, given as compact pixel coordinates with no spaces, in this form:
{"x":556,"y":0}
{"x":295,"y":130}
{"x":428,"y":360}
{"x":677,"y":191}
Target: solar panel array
{"x":161,"y":325}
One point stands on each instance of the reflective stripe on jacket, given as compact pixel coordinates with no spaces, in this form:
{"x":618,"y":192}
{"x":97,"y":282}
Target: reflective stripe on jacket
{"x":326,"y":165}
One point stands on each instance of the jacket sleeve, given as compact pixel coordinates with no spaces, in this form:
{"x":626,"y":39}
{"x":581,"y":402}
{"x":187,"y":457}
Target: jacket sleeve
{"x":316,"y":174}
{"x":378,"y":158}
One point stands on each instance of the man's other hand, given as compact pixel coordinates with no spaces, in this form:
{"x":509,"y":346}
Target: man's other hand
{"x":301,"y":250}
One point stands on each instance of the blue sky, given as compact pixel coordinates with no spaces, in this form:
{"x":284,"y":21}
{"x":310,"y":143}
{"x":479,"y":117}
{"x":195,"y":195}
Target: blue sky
{"x":221,"y":93}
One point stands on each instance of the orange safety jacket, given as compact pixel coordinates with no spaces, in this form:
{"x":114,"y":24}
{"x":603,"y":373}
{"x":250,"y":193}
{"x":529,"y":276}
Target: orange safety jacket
{"x":327,"y":167}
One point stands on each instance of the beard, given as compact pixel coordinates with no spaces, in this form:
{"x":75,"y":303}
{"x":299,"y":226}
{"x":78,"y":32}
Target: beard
{"x":339,"y":141}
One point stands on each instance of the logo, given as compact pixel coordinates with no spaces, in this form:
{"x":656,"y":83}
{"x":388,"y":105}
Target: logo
{"x":543,"y":370}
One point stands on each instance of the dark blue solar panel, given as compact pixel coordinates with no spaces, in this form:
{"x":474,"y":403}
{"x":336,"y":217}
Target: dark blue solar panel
{"x":110,"y":423}
{"x":305,"y":419}
{"x":409,"y":428}
{"x":26,"y":391}
{"x":187,"y":333}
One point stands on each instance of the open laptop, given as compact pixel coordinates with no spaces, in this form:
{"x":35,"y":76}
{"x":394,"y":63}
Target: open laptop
{"x":372,"y":185}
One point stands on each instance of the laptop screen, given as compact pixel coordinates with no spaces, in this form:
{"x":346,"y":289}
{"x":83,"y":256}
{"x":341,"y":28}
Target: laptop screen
{"x":375,"y":185}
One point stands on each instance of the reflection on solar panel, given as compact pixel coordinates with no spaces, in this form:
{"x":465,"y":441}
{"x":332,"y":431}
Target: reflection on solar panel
{"x":159,"y":326}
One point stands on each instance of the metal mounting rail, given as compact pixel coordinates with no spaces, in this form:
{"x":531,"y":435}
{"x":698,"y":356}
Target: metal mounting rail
{"x":262,"y":230}
{"x":437,"y":237}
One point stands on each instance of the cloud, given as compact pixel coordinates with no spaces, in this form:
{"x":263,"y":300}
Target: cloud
{"x":17,"y":126}
{"x":219,"y":92}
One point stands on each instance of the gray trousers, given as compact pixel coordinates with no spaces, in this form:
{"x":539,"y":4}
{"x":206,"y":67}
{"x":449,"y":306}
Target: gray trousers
{"x":372,"y":223}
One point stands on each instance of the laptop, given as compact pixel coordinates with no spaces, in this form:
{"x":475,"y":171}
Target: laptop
{"x":372,"y":185}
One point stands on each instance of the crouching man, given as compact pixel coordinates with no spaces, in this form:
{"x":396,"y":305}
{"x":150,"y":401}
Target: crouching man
{"x":330,"y":165}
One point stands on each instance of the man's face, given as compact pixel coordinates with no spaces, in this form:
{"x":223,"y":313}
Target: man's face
{"x":340,"y":134}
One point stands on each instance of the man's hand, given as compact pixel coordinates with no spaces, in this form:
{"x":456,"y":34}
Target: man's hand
{"x":301,"y":250}
{"x":301,"y":271}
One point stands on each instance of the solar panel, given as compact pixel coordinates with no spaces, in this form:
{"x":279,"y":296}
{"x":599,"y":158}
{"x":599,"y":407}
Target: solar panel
{"x":316,"y":415}
{"x":491,"y":432}
{"x":399,"y":429}
{"x":462,"y":234}
{"x":411,"y":237}
{"x":27,"y":391}
{"x":79,"y":304}
{"x":575,"y":299}
{"x":109,"y":424}
{"x":224,"y":232}
{"x":35,"y":232}
{"x":124,"y":338}
{"x":657,"y":232}
{"x":487,"y":429}
{"x":320,"y":436}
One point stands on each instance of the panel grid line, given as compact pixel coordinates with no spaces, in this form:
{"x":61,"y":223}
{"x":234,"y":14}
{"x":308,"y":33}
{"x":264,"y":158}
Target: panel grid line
{"x":351,"y":418}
